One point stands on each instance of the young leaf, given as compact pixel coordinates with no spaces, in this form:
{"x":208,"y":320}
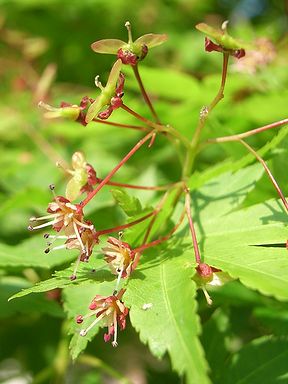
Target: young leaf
{"x":163,"y":311}
{"x":130,"y":204}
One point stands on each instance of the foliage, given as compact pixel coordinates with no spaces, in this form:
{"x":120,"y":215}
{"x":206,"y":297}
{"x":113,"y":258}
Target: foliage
{"x":238,"y":217}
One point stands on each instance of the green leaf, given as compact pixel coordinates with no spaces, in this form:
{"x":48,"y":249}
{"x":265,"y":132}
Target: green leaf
{"x":76,"y":301}
{"x":130,"y":204}
{"x":93,"y":272}
{"x":264,"y":360}
{"x":250,"y":245}
{"x":31,"y":305}
{"x":170,"y":323}
{"x":226,"y":192}
{"x":30,"y":253}
{"x":214,"y":337}
{"x":199,"y":179}
{"x":274,"y":318}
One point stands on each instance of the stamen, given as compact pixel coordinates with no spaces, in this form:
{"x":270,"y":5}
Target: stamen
{"x":58,"y":247}
{"x":51,"y":215}
{"x":114,"y":342}
{"x":98,"y":83}
{"x":43,"y":225}
{"x":128,"y":26}
{"x":76,"y":265}
{"x":52,"y":189}
{"x":78,"y":237}
{"x":83,"y":225}
{"x":84,"y":332}
{"x":207,"y":296}
{"x":119,"y":278}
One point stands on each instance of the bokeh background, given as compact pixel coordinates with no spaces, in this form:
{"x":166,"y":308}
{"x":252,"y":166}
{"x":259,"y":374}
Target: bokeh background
{"x":46,"y":55}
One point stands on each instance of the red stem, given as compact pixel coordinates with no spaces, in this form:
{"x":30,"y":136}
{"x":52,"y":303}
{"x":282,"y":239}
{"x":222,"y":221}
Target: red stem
{"x":161,"y":239}
{"x":115,"y":169}
{"x":139,"y":117}
{"x":124,"y":226}
{"x":249,"y":133}
{"x":144,"y":93}
{"x":132,"y":186}
{"x":158,"y":208}
{"x":121,"y":125}
{"x":274,"y":182}
{"x":191,"y":225}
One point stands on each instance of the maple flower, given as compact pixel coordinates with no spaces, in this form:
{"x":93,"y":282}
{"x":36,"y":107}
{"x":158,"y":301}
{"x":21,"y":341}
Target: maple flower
{"x":111,"y":311}
{"x":225,"y":42}
{"x":88,"y":238}
{"x":121,"y":258}
{"x":83,"y":176}
{"x":110,"y":96}
{"x":207,"y":275}
{"x":68,"y":110}
{"x":131,"y":52}
{"x":67,"y":219}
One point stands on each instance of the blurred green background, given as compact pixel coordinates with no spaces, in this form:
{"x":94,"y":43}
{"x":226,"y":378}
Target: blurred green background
{"x":45,"y":54}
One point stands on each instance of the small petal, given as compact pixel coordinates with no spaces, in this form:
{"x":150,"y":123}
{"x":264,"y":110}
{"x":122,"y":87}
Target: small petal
{"x":114,"y":75}
{"x":94,"y":109}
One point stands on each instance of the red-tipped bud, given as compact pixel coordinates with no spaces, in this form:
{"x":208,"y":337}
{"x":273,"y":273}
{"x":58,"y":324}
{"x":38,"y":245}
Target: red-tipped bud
{"x":79,"y":319}
{"x":204,"y":270}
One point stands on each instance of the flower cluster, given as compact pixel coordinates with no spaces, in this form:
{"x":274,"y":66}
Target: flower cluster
{"x":66,"y":216}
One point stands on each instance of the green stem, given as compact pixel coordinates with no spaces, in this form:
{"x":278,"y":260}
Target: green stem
{"x":94,"y":362}
{"x":205,"y":112}
{"x":62,"y":359}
